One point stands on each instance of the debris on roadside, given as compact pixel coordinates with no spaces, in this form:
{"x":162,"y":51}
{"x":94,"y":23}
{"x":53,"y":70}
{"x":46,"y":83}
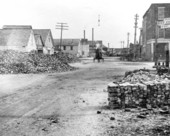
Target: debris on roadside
{"x":112,"y":127}
{"x":14,"y":62}
{"x":66,"y":57}
{"x":160,"y":130}
{"x":140,"y":89}
{"x":164,"y":111}
{"x":99,"y":112}
{"x":44,"y":129}
{"x":112,"y":118}
{"x":127,"y":110}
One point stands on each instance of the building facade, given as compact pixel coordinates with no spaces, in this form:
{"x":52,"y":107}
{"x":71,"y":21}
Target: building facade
{"x":25,"y":39}
{"x":155,"y":32}
{"x":93,"y":45}
{"x":47,"y":39}
{"x":78,"y":47}
{"x":20,"y":38}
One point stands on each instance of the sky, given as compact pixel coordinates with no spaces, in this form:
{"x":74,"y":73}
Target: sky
{"x":116,"y":17}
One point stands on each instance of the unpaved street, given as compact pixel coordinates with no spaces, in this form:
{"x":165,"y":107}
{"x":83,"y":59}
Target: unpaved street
{"x":61,"y":104}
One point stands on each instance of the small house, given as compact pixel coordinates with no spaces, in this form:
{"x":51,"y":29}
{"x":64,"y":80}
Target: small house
{"x":16,"y":37}
{"x":79,"y":47}
{"x":46,"y":39}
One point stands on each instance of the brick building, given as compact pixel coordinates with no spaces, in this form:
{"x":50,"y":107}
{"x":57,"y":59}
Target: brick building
{"x":155,"y":37}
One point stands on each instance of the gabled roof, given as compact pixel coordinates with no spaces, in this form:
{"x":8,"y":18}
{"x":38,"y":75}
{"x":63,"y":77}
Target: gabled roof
{"x":67,"y":42}
{"x":37,"y":39}
{"x":17,"y":27}
{"x":43,"y":32}
{"x":13,"y":36}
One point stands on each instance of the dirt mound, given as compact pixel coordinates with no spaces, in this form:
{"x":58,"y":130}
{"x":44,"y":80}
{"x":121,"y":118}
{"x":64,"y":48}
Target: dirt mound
{"x":137,"y":76}
{"x":19,"y":62}
{"x":67,"y":57}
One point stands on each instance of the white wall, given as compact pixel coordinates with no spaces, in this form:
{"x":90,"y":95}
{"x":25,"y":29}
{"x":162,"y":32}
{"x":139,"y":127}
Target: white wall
{"x":68,"y":49}
{"x":49,"y":45}
{"x":31,"y":43}
{"x":83,"y":50}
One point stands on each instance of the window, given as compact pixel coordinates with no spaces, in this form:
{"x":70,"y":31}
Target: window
{"x":71,"y":47}
{"x":64,"y":47}
{"x":161,"y":13}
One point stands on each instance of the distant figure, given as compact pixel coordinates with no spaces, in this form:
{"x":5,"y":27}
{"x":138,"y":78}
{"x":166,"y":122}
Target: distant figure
{"x":98,"y":55}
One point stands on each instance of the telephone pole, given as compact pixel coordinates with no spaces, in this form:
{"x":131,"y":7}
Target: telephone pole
{"x":92,"y":37}
{"x":128,"y":34}
{"x":123,"y":44}
{"x":136,"y":26}
{"x":61,"y":26}
{"x":84,"y":34}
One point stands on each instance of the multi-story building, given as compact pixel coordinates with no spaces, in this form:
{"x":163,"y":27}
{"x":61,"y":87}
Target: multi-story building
{"x":156,"y":31}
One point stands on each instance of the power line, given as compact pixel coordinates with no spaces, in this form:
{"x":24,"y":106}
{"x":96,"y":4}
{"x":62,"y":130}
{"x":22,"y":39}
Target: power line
{"x":61,"y":26}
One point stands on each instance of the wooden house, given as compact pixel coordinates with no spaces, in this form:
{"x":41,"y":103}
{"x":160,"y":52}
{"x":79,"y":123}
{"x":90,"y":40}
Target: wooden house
{"x":20,"y":38}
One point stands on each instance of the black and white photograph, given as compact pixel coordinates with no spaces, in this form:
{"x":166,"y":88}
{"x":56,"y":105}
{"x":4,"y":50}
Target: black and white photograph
{"x":84,"y":68}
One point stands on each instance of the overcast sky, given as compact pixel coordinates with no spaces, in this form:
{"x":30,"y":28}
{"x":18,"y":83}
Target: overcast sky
{"x":116,"y":17}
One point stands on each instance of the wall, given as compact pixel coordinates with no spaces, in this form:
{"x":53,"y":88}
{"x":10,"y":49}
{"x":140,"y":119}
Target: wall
{"x":86,"y":50}
{"x":150,"y":19}
{"x":148,"y":52}
{"x":83,"y":48}
{"x":48,"y":49}
{"x":149,"y":28}
{"x":31,"y":43}
{"x":68,"y":49}
{"x":139,"y":95}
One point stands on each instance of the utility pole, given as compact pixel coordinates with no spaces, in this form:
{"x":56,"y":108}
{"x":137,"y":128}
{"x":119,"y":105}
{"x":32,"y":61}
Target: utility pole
{"x":136,"y":26}
{"x":61,"y":26}
{"x":92,"y":37}
{"x":128,"y":34}
{"x":120,"y":44}
{"x":123,"y":43}
{"x":84,"y":34}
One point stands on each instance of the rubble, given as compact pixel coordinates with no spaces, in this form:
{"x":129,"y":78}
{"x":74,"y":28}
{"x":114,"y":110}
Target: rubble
{"x":161,"y":130}
{"x":14,"y":62}
{"x":112,"y":118}
{"x":99,"y":112}
{"x":140,"y":89}
{"x":67,"y":57}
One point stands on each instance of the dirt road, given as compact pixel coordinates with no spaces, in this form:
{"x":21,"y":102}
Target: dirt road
{"x":60,"y":104}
